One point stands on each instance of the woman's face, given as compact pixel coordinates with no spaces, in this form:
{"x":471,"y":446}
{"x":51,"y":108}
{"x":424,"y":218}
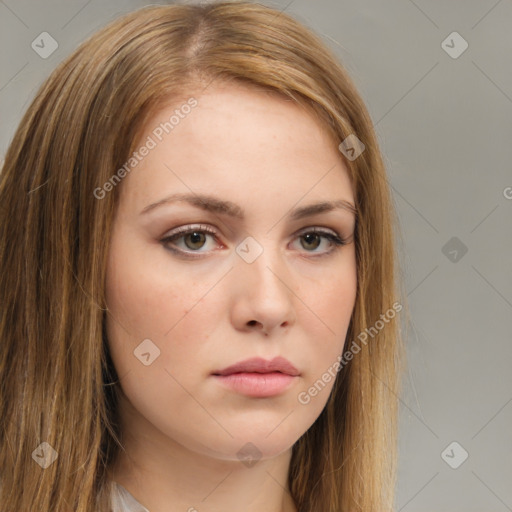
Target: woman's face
{"x":249,"y":280}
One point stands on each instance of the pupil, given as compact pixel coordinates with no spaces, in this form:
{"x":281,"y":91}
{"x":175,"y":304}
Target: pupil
{"x":309,"y":236}
{"x":194,"y":236}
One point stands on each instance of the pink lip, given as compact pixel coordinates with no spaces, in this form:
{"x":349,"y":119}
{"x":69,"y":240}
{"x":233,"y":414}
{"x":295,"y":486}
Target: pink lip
{"x":258,"y":365}
{"x":257,"y":377}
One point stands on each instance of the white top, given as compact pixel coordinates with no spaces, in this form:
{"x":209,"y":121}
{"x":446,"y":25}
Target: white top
{"x":123,"y":501}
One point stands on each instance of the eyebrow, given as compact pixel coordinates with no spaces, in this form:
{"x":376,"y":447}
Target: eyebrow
{"x":215,"y":205}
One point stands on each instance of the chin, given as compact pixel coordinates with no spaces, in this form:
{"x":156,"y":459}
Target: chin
{"x":254,"y":443}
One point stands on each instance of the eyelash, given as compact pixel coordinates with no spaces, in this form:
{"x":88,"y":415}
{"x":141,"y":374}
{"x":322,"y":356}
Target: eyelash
{"x":180,"y":232}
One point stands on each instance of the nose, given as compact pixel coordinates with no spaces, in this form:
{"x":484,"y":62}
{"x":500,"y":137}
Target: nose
{"x":263,"y":297}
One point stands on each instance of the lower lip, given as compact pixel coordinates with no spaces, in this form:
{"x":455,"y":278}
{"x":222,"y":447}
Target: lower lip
{"x":258,"y":385}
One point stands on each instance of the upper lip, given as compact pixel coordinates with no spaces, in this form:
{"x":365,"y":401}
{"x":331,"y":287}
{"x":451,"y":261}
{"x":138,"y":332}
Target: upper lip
{"x":259,"y":365}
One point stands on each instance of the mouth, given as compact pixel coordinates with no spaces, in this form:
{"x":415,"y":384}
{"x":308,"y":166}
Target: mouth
{"x":262,"y":366}
{"x":257,"y":385}
{"x":257,"y":377}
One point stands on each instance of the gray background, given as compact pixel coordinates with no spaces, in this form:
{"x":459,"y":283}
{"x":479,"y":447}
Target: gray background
{"x":444,"y":125}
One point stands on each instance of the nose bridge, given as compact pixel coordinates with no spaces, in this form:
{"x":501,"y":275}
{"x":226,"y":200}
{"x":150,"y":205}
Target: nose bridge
{"x":263,"y":295}
{"x":263,"y":269}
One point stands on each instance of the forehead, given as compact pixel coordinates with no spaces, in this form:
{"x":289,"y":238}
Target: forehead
{"x":236,"y":140}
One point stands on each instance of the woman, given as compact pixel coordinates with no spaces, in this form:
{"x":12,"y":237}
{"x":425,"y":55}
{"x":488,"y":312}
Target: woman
{"x":261,"y":373}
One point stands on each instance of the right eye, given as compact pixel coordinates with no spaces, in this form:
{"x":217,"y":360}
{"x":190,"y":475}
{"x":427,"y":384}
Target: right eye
{"x":194,"y":238}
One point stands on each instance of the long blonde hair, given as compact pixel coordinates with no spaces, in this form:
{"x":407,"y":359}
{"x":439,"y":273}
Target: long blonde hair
{"x":57,"y":381}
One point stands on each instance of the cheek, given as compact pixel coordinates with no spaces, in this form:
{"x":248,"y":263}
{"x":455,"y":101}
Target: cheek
{"x":331,"y":298}
{"x":331,"y":305}
{"x":148,"y":302}
{"x":152,"y":314}
{"x":146,"y":299}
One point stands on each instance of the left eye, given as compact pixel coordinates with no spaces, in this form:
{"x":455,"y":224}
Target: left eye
{"x":314,"y":238}
{"x":194,"y":239}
